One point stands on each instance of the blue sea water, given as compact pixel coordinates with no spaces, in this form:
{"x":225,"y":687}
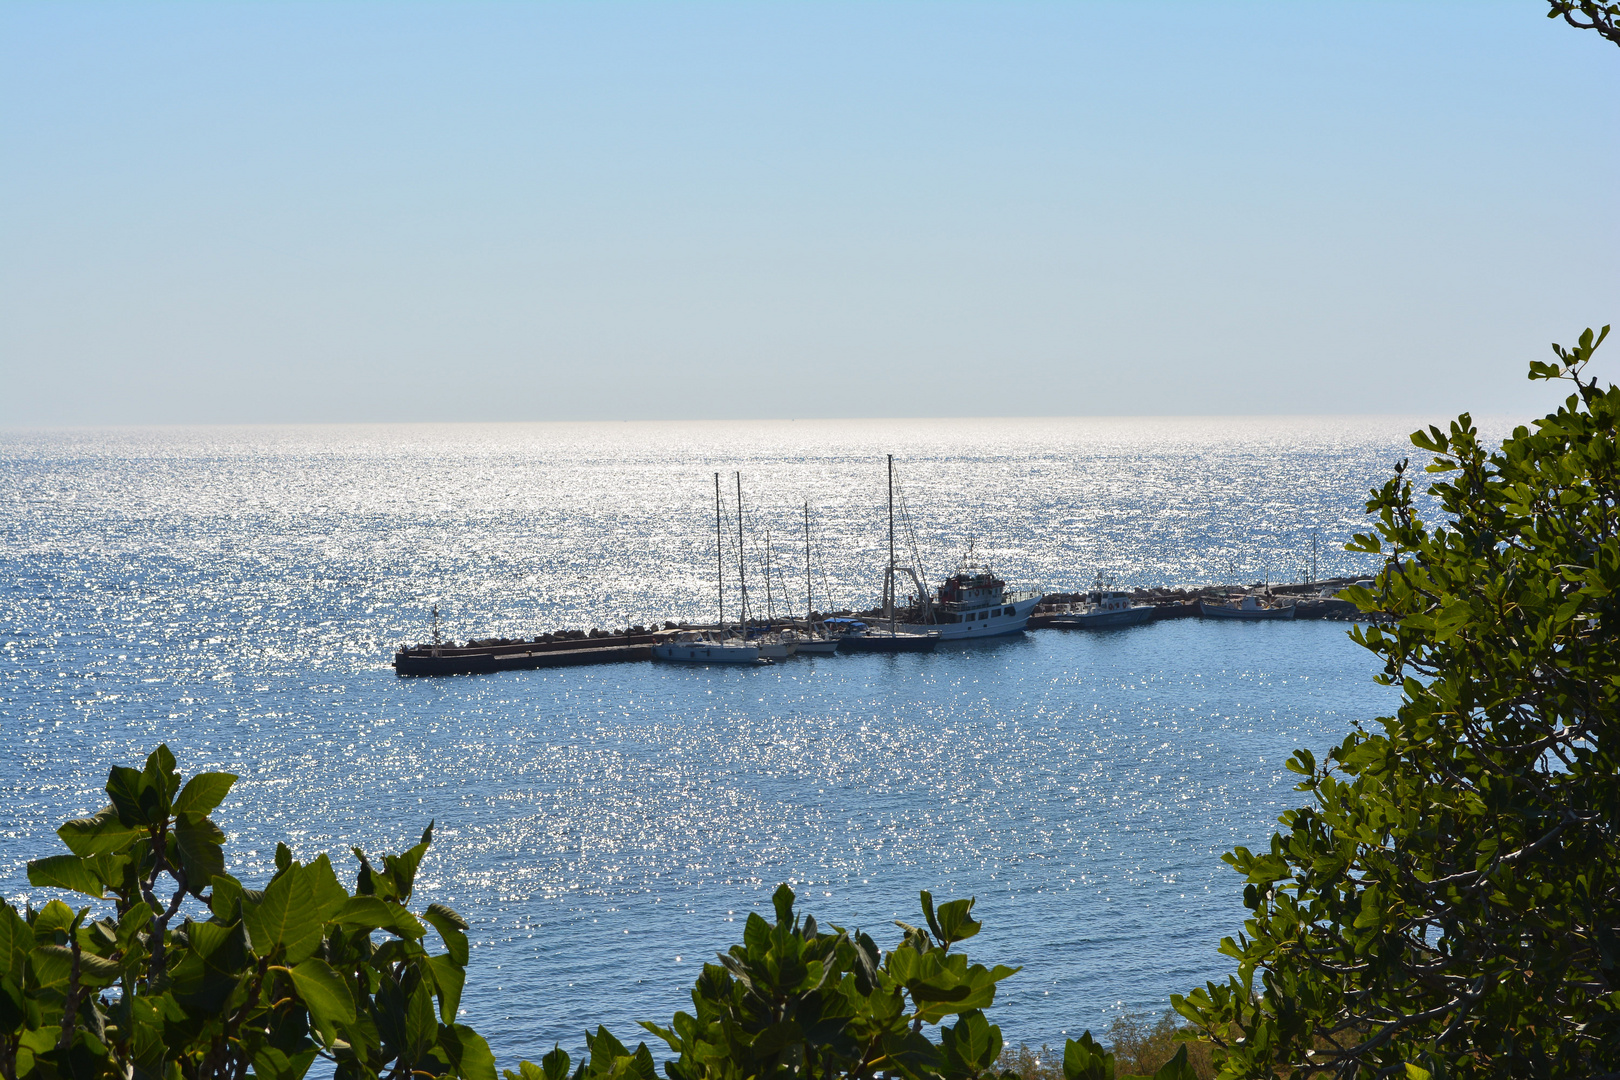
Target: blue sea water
{"x":238,"y":592}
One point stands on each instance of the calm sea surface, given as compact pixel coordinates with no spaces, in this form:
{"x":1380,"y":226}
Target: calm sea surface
{"x":238,"y":592}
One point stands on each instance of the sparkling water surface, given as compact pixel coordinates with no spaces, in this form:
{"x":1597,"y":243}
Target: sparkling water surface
{"x":238,"y":592}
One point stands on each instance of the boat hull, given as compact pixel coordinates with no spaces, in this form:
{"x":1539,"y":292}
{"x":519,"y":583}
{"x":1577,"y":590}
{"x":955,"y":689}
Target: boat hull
{"x":825,"y":647}
{"x":777,"y":650}
{"x":1102,"y":620}
{"x":884,"y":642}
{"x":1010,"y":618}
{"x":706,"y":653}
{"x":1221,"y":611}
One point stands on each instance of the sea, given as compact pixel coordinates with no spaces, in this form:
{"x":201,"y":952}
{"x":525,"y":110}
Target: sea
{"x":238,"y":593}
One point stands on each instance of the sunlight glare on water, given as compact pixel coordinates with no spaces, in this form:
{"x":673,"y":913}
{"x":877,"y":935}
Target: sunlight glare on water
{"x":238,"y":592}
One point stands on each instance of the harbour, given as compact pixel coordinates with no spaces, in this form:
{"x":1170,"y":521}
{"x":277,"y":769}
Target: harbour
{"x":1315,"y":600}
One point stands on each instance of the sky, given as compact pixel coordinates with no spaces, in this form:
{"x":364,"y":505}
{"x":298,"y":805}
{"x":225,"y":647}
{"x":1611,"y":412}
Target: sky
{"x":366,"y":212}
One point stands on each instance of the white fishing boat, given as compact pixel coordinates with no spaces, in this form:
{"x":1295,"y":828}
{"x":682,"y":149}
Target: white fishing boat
{"x":717,"y":646}
{"x":1251,"y":608}
{"x":973,"y":603}
{"x":1104,"y":607}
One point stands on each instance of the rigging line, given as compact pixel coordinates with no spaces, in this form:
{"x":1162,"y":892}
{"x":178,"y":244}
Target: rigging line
{"x":829,"y":602}
{"x":911,"y":535}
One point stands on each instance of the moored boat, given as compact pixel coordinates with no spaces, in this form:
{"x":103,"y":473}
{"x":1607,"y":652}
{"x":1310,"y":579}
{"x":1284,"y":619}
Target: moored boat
{"x":716,"y":647}
{"x":702,"y":647}
{"x":863,"y":638}
{"x":1104,"y":607}
{"x":972,"y":603}
{"x":1250,"y":608}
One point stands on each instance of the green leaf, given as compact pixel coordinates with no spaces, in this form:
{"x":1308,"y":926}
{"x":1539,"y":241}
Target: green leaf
{"x":199,"y":842}
{"x":452,"y":928}
{"x":16,"y":939}
{"x":324,"y":994}
{"x":1085,"y":1059}
{"x":210,"y":970}
{"x":555,"y":1064}
{"x":956,"y":922}
{"x":52,"y":917}
{"x":53,"y":967}
{"x":468,"y":1052}
{"x":449,"y":977}
{"x":375,"y":914}
{"x":124,"y":789}
{"x":203,"y":792}
{"x":222,"y":900}
{"x":330,"y":896}
{"x":271,"y":1063}
{"x":65,"y":872}
{"x":401,"y":869}
{"x":421,"y":1024}
{"x":101,"y":834}
{"x":1177,"y":1068}
{"x":776,"y":1038}
{"x":287,"y":917}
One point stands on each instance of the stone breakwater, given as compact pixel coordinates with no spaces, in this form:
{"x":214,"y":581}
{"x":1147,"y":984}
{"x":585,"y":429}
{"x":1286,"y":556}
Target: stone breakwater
{"x":562,"y":648}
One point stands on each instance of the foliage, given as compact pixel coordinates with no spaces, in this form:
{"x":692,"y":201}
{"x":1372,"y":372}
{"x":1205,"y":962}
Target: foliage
{"x":267,"y":982}
{"x":1143,"y":1043}
{"x":1450,"y":904}
{"x":1600,"y":15}
{"x":796,"y":1001}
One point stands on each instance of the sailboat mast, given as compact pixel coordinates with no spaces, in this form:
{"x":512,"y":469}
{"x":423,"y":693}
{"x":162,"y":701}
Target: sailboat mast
{"x":770,"y":603}
{"x":719,"y":556}
{"x":891,"y":545}
{"x":742,"y":580}
{"x":807,"y":605}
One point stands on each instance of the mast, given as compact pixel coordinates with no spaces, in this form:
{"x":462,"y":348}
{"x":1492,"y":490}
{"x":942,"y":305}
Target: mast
{"x":807,"y":607}
{"x":770,"y":606}
{"x":742,"y":580}
{"x":890,"y":580}
{"x":719,"y":557}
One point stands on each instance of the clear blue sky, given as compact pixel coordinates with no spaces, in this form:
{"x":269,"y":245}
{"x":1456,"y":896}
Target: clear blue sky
{"x":218,"y":212}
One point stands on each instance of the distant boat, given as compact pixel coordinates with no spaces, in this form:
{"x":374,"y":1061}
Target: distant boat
{"x":1104,"y":607}
{"x":1250,"y":608}
{"x":702,"y":647}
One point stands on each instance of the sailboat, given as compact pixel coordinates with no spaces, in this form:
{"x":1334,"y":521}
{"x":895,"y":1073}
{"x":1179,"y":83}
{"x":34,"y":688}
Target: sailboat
{"x":717,"y":646}
{"x":772,"y":645}
{"x":810,"y":641}
{"x":891,"y":638}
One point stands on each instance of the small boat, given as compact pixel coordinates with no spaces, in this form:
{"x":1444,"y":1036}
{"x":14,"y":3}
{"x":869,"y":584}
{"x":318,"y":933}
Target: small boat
{"x":775,"y":646}
{"x":1250,"y":608}
{"x":810,"y":642}
{"x":1104,"y":607}
{"x":860,"y":637}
